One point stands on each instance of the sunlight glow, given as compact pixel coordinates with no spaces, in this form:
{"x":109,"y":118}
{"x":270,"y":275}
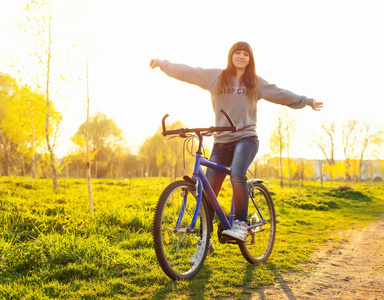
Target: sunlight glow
{"x":326,"y":50}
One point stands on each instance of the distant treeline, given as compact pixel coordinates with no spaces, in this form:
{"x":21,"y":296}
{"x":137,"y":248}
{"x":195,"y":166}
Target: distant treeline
{"x":23,"y":147}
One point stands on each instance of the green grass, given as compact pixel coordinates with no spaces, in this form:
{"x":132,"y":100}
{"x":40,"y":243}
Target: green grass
{"x":51,"y":247}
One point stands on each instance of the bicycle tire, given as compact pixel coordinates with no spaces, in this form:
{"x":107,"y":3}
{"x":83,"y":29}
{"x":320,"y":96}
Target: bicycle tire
{"x":260,"y":240}
{"x":175,"y":249}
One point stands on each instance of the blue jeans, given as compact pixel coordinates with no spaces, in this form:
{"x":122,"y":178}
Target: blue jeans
{"x":238,"y":156}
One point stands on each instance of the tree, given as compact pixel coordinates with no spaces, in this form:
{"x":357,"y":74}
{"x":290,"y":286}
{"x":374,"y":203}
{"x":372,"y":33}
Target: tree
{"x":278,"y":143}
{"x":88,"y":161}
{"x":381,"y":170}
{"x":24,"y":122}
{"x":160,"y":153}
{"x":290,"y":168}
{"x":366,"y":139}
{"x":155,"y":152}
{"x":50,"y":41}
{"x":105,"y":137}
{"x":306,"y":168}
{"x":349,"y":138}
{"x":39,"y":25}
{"x":254,"y":167}
{"x":303,"y":169}
{"x":327,"y":143}
{"x":289,"y":129}
{"x":8,"y":89}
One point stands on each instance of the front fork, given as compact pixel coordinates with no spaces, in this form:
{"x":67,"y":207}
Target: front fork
{"x":199,"y":193}
{"x":199,"y":189}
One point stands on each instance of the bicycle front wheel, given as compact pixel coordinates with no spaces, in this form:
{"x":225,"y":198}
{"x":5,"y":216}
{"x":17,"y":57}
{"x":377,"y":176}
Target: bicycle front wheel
{"x":180,"y":252}
{"x":260,"y":239}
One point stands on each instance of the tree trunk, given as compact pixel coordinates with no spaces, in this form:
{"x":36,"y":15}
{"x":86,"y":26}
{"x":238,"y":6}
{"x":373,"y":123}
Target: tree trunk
{"x":281,"y":168}
{"x":8,"y":163}
{"x":6,"y":147}
{"x":50,"y":150}
{"x":290,"y":172}
{"x":23,"y":166}
{"x":88,"y":165}
{"x":33,"y":167}
{"x":299,"y":183}
{"x":360,"y":167}
{"x":321,"y":172}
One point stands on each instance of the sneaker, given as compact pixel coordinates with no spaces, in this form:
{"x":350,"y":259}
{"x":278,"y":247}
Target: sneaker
{"x":238,"y":231}
{"x":200,"y":248}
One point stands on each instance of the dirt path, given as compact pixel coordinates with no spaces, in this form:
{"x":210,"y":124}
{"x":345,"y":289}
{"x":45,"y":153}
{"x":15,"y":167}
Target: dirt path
{"x":352,"y":268}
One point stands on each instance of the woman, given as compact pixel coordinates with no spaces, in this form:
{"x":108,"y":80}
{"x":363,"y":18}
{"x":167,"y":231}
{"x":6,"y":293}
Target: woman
{"x":237,"y":90}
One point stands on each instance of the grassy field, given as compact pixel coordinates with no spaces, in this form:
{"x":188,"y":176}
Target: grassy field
{"x":52,"y":248}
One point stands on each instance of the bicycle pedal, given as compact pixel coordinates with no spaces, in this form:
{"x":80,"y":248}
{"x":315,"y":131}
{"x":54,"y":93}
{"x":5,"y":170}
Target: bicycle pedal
{"x":235,"y":242}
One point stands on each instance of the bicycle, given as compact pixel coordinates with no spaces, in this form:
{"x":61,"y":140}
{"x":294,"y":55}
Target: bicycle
{"x":181,"y":216}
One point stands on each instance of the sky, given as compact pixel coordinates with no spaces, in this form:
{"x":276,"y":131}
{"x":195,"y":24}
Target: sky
{"x":330,"y":50}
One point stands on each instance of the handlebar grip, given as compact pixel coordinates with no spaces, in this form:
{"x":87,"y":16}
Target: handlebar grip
{"x":163,"y":123}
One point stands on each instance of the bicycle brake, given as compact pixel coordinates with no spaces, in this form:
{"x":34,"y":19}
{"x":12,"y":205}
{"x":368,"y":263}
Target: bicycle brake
{"x":193,"y":181}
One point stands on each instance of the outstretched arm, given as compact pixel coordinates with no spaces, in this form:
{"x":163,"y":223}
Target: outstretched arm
{"x":203,"y":78}
{"x":272,"y":93}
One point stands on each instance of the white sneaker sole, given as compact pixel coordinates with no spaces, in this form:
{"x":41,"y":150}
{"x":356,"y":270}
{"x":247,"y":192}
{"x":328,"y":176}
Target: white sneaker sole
{"x":232,"y":235}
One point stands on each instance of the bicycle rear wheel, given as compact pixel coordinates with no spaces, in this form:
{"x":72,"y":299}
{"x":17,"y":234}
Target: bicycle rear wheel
{"x":260,"y":240}
{"x":174,"y":244}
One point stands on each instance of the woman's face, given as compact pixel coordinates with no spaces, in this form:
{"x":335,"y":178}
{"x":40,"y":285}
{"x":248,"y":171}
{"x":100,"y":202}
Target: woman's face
{"x":240,"y":59}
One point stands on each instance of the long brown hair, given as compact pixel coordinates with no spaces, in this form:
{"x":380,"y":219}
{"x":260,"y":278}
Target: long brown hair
{"x":248,"y":79}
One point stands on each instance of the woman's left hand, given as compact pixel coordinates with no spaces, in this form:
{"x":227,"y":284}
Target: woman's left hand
{"x":317,"y":105}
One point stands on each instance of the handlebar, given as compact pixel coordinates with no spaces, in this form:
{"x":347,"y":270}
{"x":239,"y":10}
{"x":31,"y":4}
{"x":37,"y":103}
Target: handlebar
{"x":183,"y":131}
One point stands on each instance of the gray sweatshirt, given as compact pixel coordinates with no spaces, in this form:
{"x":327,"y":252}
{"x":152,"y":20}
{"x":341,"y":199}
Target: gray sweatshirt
{"x":233,"y":100}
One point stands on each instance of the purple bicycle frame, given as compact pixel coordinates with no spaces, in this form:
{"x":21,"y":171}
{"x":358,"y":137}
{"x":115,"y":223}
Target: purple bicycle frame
{"x":202,"y":182}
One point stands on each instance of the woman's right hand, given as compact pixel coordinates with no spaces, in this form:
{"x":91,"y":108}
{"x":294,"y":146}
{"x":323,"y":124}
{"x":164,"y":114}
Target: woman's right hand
{"x":154,"y":63}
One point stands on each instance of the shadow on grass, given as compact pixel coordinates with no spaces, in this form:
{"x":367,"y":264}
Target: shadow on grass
{"x":192,"y":289}
{"x":167,"y":289}
{"x":197,"y":287}
{"x":349,"y":195}
{"x":284,"y":286}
